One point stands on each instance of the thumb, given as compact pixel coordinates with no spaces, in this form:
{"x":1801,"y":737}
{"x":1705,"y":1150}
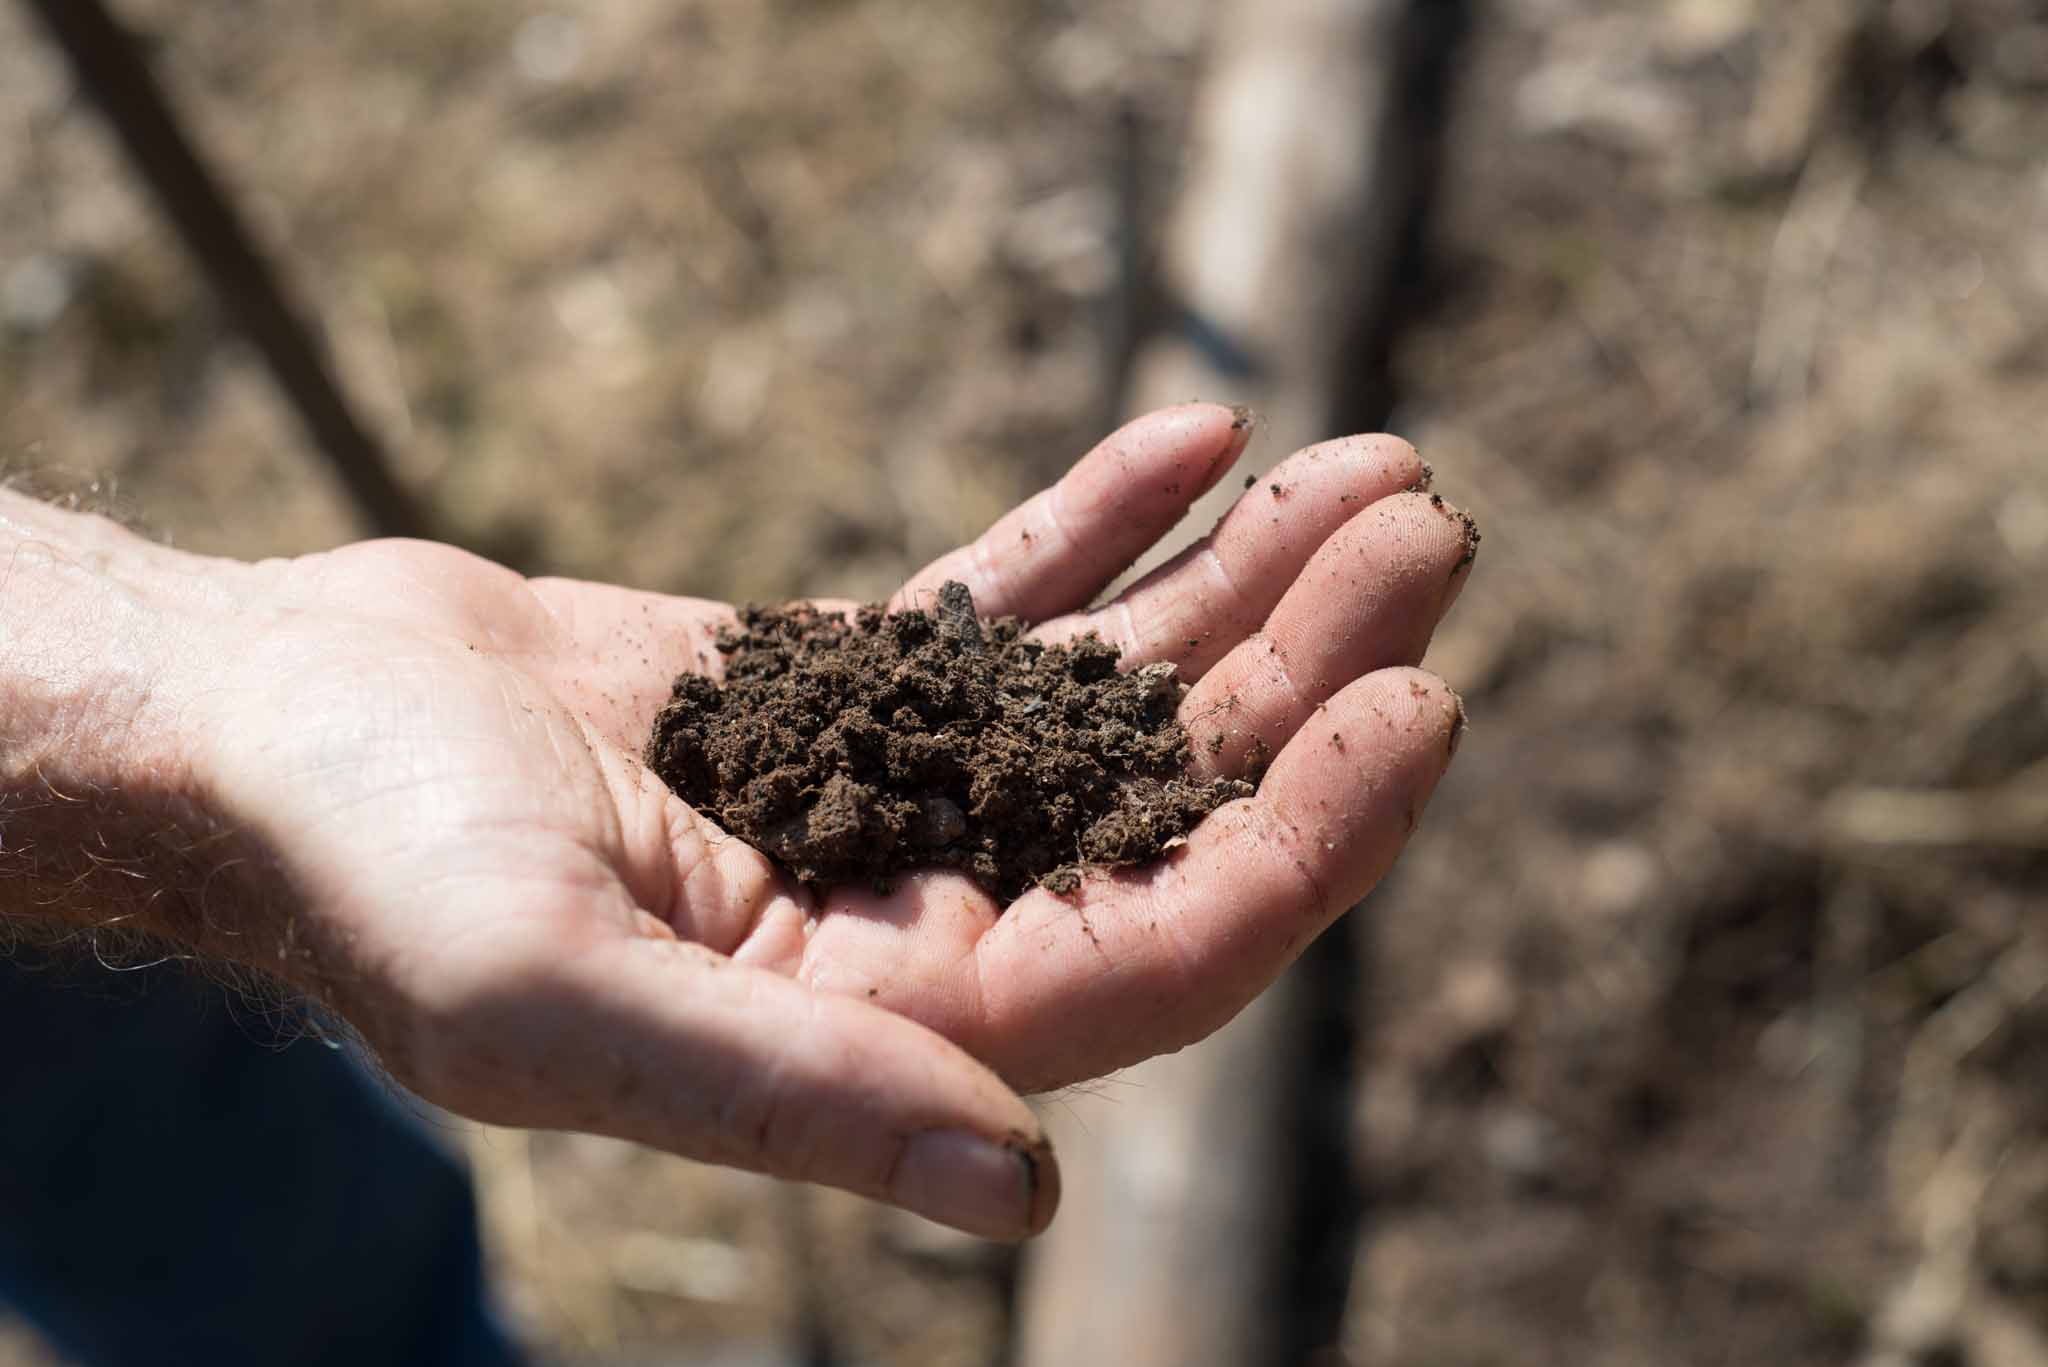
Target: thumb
{"x":671,"y":1045}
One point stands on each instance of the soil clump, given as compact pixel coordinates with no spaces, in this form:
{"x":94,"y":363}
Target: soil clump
{"x":851,"y":751}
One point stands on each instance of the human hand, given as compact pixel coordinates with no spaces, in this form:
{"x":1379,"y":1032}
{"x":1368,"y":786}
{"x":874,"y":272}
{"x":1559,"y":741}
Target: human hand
{"x":464,"y":857}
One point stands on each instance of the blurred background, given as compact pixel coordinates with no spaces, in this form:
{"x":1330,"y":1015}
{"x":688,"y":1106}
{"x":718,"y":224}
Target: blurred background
{"x":1705,"y":1021}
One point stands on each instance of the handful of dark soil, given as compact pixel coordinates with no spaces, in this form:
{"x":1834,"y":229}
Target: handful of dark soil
{"x":851,"y":751}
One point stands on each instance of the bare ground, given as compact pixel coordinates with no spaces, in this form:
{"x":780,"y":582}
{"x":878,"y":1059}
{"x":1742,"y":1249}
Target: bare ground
{"x":1707,"y":1018}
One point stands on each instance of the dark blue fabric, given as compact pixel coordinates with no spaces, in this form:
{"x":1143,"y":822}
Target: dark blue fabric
{"x":178,"y":1185}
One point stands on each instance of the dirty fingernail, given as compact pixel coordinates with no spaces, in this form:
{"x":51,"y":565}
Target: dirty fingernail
{"x":1468,"y":529}
{"x":1242,"y":422}
{"x":972,"y":1183}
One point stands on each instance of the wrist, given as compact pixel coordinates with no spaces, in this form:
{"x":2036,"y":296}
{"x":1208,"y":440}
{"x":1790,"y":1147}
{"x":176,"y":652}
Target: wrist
{"x":87,"y":647}
{"x":104,"y":812}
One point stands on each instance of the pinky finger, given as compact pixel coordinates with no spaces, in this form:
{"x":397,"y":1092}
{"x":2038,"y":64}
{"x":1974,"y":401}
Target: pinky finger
{"x":1156,"y":959}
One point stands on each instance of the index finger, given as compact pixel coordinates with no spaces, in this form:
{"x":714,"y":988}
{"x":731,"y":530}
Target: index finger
{"x":1057,"y":550}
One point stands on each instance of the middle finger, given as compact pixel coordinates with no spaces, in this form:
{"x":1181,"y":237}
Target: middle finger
{"x":1196,"y":607}
{"x":1369,"y":599}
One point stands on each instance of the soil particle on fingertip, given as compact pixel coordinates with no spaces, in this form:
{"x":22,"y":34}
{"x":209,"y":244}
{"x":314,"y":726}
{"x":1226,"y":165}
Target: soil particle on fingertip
{"x":1467,"y":525}
{"x":853,"y":750}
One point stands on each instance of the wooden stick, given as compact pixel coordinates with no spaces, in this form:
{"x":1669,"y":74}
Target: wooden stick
{"x":1180,"y":1243}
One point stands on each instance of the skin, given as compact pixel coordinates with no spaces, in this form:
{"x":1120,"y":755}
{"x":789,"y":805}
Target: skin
{"x":406,"y":781}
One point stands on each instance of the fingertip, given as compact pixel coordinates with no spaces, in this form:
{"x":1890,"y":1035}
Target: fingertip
{"x":1244,"y":423}
{"x":1417,"y":700}
{"x":1439,"y":525}
{"x":1418,"y":545}
{"x":1004,"y":1189}
{"x":1391,"y":463}
{"x":1043,"y":1177}
{"x":1469,"y":535}
{"x":1213,"y":434}
{"x":1463,"y":524}
{"x":1390,"y":734}
{"x":1435,"y":724}
{"x":1436,"y":704}
{"x":1459,"y":724}
{"x":1399,"y":456}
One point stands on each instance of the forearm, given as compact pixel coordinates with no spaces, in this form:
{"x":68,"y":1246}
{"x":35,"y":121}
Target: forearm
{"x":104,"y":817}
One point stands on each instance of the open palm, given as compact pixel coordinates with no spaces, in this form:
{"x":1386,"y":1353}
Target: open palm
{"x":531,"y":929}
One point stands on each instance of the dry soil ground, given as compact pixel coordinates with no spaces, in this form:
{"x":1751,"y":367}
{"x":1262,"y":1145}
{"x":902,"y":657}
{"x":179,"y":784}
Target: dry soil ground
{"x":1707,"y":1016}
